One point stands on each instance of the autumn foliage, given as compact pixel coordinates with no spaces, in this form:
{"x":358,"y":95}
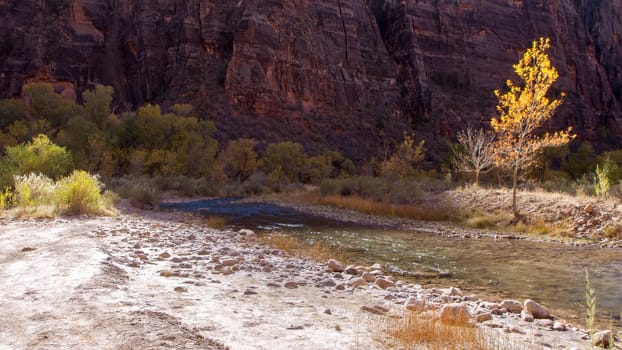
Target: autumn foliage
{"x":523,"y":109}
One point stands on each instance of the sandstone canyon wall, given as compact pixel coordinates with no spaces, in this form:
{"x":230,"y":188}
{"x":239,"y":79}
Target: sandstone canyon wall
{"x":351,"y":74}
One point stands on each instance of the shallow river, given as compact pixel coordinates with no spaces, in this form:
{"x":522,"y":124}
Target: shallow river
{"x":552,"y":274}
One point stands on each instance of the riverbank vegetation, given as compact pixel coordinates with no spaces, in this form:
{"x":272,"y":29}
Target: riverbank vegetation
{"x":156,"y":150}
{"x":144,"y":155}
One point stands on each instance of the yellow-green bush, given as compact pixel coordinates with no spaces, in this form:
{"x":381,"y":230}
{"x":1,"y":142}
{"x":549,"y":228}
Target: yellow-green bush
{"x":284,"y":161}
{"x":80,"y":193}
{"x":7,"y":198}
{"x":239,"y":160}
{"x":40,"y":156}
{"x":402,"y":163}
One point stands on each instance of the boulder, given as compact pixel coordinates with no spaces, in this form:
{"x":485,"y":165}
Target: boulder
{"x":526,"y":316}
{"x":513,"y":306}
{"x":558,"y":326}
{"x":548,"y":323}
{"x":359,"y":282}
{"x":351,"y":270}
{"x":602,"y":339}
{"x":453,"y":291}
{"x":368,"y":276}
{"x":335,"y":265}
{"x":483,"y":317}
{"x":384,"y":284}
{"x":229,"y":262}
{"x":538,"y":311}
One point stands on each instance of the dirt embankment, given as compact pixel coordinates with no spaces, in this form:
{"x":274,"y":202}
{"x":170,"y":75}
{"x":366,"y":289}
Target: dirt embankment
{"x":154,"y":280}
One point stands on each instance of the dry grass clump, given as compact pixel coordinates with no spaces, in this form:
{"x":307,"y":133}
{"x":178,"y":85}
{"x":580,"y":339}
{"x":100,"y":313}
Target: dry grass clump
{"x":316,"y":251}
{"x":613,"y":231}
{"x":483,"y":221}
{"x":425,"y":330}
{"x":373,"y":207}
{"x":540,"y":227}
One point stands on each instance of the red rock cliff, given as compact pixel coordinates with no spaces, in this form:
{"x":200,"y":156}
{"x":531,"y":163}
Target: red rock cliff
{"x":347,"y":73}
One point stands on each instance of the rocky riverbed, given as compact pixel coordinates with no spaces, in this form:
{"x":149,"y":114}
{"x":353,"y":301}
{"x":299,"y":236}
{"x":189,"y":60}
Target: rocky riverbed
{"x":165,"y":280}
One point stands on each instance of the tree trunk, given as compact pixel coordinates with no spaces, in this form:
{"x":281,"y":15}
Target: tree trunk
{"x":514,"y":188}
{"x":477,"y":178}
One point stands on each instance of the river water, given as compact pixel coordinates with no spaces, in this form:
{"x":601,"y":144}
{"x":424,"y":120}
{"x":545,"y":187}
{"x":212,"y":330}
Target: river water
{"x":553,"y":274}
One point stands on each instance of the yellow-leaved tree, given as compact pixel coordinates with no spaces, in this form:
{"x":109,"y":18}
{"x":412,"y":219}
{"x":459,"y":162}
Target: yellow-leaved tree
{"x":522,"y":110}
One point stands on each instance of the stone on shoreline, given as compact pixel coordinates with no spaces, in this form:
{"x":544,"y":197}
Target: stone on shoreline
{"x":335,"y":265}
{"x":526,"y":316}
{"x":544,"y":323}
{"x":229,"y":262}
{"x":513,"y":306}
{"x":291,"y":285}
{"x":538,"y":311}
{"x":374,"y":310}
{"x":558,"y":326}
{"x":375,"y":266}
{"x":351,"y":270}
{"x":602,"y":339}
{"x":486,"y":316}
{"x":359,"y":282}
{"x":453,"y":291}
{"x":369,"y":277}
{"x":383,"y":283}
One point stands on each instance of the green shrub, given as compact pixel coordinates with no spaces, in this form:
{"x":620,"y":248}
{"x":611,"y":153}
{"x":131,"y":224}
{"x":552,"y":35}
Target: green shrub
{"x":40,"y":156}
{"x":7,"y":198}
{"x":402,"y":163}
{"x":605,"y":176}
{"x":258,"y":183}
{"x":144,"y":195}
{"x":187,"y":186}
{"x":46,"y":104}
{"x":239,"y":160}
{"x":602,"y":185}
{"x":97,"y":103}
{"x":7,"y":172}
{"x":584,"y":186}
{"x":284,"y":161}
{"x":80,"y":193}
{"x":10,"y":111}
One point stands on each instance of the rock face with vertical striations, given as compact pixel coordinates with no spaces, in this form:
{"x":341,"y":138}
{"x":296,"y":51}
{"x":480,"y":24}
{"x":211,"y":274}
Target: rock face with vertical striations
{"x":346,"y":74}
